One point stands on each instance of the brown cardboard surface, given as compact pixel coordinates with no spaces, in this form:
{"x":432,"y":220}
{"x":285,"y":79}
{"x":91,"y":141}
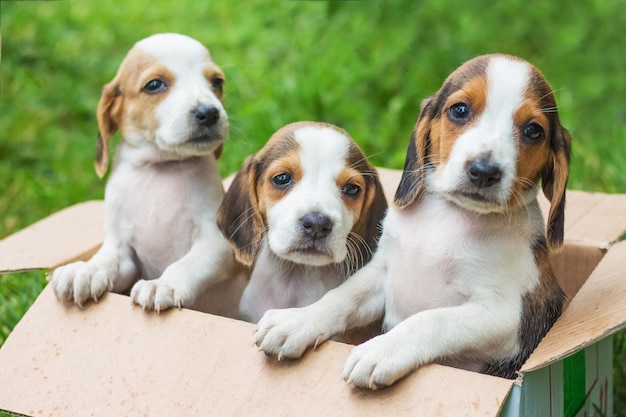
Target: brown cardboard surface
{"x":73,"y":233}
{"x":593,"y":218}
{"x":573,"y":264}
{"x":597,"y":310}
{"x":111,"y":359}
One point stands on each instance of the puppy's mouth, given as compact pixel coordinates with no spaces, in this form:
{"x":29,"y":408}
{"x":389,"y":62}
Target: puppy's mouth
{"x":476,"y":201}
{"x":204,"y":139}
{"x":310,"y":253}
{"x":311,"y":249}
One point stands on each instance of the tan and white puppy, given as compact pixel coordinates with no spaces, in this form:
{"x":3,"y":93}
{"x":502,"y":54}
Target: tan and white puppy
{"x":161,"y":199}
{"x":461,"y":275}
{"x":304,"y":212}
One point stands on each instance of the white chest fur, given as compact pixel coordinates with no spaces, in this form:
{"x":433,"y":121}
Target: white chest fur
{"x":444,"y":256}
{"x":176,"y":199}
{"x":277,"y":283}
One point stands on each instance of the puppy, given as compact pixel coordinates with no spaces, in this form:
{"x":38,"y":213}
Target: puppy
{"x":461,"y":275}
{"x":304,"y":213}
{"x":162,"y":196}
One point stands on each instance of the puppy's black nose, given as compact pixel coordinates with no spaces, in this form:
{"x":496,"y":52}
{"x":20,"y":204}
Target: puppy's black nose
{"x":483,"y":173}
{"x":206,"y":115}
{"x":316,"y":225}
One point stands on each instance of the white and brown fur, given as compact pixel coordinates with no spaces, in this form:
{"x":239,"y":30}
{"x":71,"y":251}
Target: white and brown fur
{"x":461,"y":275}
{"x":161,"y":238}
{"x":304,"y":212}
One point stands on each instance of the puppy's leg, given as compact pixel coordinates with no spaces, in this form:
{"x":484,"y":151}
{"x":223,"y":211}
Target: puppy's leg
{"x":182,"y":281}
{"x":111,"y":269}
{"x":471,"y":330}
{"x":287,"y":333}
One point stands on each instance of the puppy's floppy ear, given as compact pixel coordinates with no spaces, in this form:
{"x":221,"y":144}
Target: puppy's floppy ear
{"x":238,"y":216}
{"x":369,"y":226}
{"x":554,"y":181}
{"x":109,"y":111}
{"x":412,"y":184}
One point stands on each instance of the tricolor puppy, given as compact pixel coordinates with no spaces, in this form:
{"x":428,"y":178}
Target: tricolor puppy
{"x":161,"y":200}
{"x":461,"y":274}
{"x":304,"y":212}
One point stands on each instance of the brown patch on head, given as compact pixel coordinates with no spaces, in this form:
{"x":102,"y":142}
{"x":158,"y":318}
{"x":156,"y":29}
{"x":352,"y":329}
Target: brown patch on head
{"x":444,"y":131}
{"x":352,"y":184}
{"x":126,"y":102}
{"x":270,"y":188}
{"x":434,"y":134}
{"x":532,"y":157}
{"x":137,"y":76}
{"x":216,"y":79}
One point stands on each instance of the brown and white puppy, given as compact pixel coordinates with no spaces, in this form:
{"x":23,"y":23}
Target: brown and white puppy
{"x":304,"y":212}
{"x":461,"y":274}
{"x":161,"y":199}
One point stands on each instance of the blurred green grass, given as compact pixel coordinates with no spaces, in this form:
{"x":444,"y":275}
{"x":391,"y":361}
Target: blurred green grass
{"x":363,"y":65}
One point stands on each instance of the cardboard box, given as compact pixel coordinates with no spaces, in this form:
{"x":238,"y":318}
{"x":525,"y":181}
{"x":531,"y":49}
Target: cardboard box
{"x":113,"y":359}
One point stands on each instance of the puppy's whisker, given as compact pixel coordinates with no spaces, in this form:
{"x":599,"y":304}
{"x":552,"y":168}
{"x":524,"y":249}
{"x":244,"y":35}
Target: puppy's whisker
{"x":365,"y":158}
{"x":244,"y":221}
{"x":549,"y":110}
{"x":360,"y":245}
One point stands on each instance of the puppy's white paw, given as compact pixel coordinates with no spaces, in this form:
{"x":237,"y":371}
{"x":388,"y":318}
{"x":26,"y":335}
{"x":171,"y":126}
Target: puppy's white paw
{"x":156,"y":295}
{"x":79,"y":281}
{"x":379,"y":362}
{"x":287,"y":333}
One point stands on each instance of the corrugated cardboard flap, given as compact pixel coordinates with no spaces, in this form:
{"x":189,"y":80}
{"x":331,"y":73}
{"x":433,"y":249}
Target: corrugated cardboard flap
{"x":597,"y":311}
{"x":112,"y":359}
{"x":73,"y":233}
{"x":592,"y":218}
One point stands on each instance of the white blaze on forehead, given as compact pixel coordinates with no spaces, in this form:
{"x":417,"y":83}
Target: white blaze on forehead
{"x":172,"y":48}
{"x":322,"y":152}
{"x":507,"y":80}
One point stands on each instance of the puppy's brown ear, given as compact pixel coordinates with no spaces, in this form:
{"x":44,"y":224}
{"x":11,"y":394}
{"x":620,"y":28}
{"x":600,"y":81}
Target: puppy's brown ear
{"x":369,"y":225}
{"x":554,"y":181}
{"x":412,"y":184}
{"x":109,"y":111}
{"x":238,"y":216}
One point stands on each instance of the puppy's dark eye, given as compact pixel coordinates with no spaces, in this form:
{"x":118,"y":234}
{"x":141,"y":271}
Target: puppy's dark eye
{"x":459,"y":112}
{"x":217,"y":83}
{"x":532,"y":133}
{"x":283,"y":180}
{"x":154,"y":86}
{"x":351,"y":190}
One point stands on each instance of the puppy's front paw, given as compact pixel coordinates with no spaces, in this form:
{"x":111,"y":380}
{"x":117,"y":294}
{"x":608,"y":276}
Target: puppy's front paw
{"x":156,"y":295}
{"x":79,"y":281}
{"x":378,"y":363}
{"x":287,"y":333}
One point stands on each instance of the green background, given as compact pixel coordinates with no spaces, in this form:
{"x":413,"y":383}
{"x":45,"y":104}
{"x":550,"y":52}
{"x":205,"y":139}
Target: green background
{"x":363,"y":65}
